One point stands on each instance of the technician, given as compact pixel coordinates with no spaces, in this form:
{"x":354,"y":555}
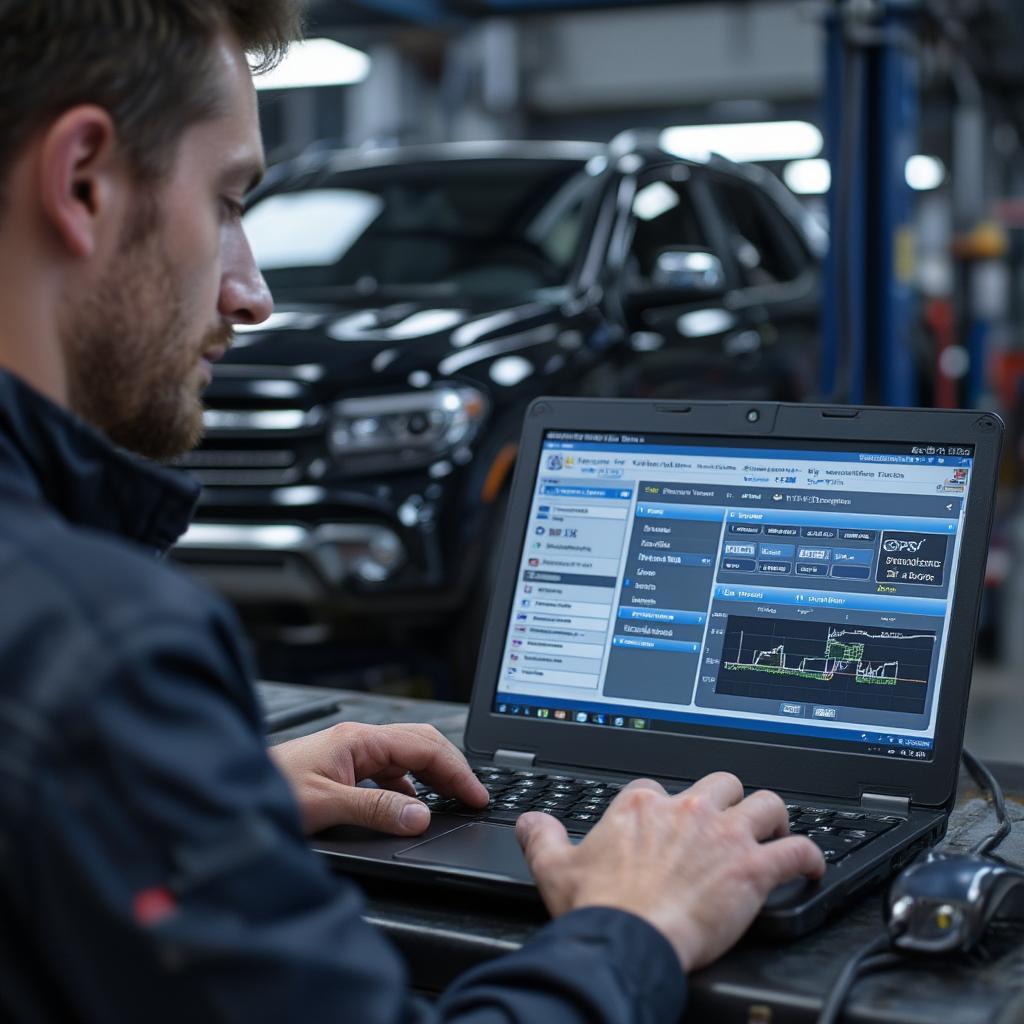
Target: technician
{"x":153,"y":865}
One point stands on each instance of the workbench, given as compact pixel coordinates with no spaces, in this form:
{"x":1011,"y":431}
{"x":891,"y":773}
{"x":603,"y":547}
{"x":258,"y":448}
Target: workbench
{"x":442,"y":933}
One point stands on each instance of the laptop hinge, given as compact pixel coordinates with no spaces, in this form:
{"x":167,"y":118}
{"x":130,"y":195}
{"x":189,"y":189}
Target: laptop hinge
{"x":514,"y":759}
{"x":885,"y":802}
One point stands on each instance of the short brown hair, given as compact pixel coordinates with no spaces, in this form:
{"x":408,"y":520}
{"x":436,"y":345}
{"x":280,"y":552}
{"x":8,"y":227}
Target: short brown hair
{"x":149,"y":63}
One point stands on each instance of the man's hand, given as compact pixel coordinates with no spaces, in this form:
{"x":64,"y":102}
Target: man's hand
{"x":695,"y":865}
{"x":323,"y":770}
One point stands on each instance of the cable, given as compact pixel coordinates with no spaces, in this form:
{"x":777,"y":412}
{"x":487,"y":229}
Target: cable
{"x":875,"y":956}
{"x":988,"y":782}
{"x":878,"y":955}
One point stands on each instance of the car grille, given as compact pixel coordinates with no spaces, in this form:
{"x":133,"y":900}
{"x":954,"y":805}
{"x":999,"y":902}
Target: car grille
{"x":269,"y":408}
{"x":256,"y":468}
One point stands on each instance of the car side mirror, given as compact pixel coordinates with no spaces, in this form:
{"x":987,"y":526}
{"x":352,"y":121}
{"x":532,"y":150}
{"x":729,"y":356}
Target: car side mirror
{"x":692,"y":272}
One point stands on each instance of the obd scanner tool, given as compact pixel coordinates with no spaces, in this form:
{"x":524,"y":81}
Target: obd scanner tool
{"x":945,"y":904}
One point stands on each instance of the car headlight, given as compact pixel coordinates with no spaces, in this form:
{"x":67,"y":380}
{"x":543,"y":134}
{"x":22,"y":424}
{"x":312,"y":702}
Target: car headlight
{"x":407,"y":427}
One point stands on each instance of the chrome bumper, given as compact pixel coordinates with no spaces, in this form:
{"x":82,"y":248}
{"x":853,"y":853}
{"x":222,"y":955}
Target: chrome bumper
{"x":286,"y":561}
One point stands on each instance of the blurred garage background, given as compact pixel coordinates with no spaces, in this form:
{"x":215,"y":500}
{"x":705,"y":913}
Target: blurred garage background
{"x":475,"y":202}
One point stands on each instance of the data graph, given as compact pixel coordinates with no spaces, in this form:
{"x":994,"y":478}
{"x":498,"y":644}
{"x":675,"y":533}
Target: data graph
{"x":826,"y":663}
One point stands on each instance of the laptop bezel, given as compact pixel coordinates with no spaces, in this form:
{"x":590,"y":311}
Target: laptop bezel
{"x":776,"y":765}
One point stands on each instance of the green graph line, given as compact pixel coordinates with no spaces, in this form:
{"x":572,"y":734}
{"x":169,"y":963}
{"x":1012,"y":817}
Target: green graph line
{"x":838,"y":657}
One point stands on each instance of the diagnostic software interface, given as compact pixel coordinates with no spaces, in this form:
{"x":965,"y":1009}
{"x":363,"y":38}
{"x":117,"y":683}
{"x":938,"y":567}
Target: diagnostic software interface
{"x":683,"y":586}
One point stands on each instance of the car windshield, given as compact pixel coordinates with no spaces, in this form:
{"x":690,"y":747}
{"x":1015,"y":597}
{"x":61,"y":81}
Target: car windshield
{"x":469,"y":228}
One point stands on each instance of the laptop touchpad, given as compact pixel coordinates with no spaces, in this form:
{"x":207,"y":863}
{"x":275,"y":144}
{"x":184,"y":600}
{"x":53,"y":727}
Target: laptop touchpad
{"x":479,"y":846}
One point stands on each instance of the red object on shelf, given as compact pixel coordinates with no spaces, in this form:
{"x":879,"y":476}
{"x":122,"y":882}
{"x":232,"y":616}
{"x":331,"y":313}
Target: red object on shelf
{"x":1007,"y":374}
{"x":940,"y":320}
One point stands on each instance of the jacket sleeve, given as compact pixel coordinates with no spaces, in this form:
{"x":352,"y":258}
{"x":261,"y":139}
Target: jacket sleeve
{"x":165,"y":872}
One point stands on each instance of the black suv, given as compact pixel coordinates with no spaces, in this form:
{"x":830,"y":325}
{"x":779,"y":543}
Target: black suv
{"x":359,"y":444}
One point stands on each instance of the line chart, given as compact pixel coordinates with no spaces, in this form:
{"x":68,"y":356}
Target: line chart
{"x":826,"y":663}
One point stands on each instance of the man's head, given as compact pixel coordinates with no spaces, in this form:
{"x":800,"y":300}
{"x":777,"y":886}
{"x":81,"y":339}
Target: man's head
{"x":129,"y":136}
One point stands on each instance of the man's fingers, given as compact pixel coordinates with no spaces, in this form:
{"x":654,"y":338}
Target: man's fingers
{"x":396,"y":783}
{"x":721,"y":789}
{"x":765,"y":814}
{"x":544,"y":841}
{"x":650,"y":784}
{"x":387,"y":750}
{"x":382,"y":810}
{"x":789,"y":858}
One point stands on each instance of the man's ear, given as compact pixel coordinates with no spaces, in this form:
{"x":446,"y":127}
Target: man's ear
{"x":80,"y":171}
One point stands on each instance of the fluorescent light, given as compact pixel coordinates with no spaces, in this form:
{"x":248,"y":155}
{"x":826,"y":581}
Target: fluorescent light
{"x":808,"y":177}
{"x":814,"y":177}
{"x":763,"y":140}
{"x":925,"y":173}
{"x":317,"y":62}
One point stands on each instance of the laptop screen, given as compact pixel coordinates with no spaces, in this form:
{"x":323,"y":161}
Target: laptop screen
{"x":796,"y":595}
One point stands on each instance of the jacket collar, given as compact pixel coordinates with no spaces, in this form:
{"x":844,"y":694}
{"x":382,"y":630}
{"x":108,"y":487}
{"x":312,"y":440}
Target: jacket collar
{"x":47,"y":454}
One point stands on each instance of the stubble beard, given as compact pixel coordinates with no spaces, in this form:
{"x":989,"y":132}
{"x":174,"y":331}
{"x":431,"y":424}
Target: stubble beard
{"x":131,"y":373}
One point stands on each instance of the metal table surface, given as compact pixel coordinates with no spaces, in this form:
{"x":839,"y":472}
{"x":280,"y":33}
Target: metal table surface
{"x":442,"y":933}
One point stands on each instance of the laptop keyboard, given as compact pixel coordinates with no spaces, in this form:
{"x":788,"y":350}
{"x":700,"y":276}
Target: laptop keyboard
{"x":579,"y":803}
{"x":838,"y":833}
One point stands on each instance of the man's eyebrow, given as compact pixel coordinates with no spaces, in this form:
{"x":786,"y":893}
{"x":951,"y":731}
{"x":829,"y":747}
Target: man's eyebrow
{"x":248,"y":172}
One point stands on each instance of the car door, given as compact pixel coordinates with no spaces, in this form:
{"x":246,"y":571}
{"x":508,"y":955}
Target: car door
{"x":672,"y":275}
{"x":776,"y":298}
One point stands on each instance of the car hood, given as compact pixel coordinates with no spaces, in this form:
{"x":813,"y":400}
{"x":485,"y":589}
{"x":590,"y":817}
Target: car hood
{"x":364,"y":347}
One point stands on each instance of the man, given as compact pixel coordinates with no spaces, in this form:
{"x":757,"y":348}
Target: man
{"x":152,"y":861}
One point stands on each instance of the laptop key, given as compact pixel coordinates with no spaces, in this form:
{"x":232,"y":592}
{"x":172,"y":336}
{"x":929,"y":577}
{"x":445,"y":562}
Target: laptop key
{"x":831,"y":849}
{"x":852,"y":842}
{"x":445,"y":806}
{"x":878,"y":825}
{"x":503,"y":817}
{"x":859,"y":834}
{"x":814,"y":819}
{"x":845,"y":842}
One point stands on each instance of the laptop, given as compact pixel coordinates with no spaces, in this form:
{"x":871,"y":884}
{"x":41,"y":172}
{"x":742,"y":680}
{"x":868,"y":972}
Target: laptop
{"x":786,"y":592}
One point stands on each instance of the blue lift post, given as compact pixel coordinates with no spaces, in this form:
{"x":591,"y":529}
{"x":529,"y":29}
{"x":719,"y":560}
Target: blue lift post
{"x":871,"y":116}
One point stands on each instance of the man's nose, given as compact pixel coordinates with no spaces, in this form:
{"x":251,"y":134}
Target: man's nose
{"x":244,"y":295}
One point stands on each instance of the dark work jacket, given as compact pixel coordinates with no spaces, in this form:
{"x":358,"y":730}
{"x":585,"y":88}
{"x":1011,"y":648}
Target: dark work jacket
{"x":152,"y":865}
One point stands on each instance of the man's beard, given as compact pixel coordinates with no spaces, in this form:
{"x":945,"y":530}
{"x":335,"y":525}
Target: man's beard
{"x":131,"y":373}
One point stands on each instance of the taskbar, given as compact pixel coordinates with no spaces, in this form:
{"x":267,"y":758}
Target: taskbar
{"x":912,"y":748}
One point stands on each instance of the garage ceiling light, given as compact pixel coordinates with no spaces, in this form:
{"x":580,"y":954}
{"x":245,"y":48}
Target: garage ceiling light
{"x":317,"y":62}
{"x":814,"y":177}
{"x":925,"y":173}
{"x":762,"y":140}
{"x":808,"y":177}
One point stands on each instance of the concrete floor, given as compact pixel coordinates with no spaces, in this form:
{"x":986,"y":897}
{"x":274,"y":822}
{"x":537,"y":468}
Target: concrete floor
{"x":995,"y":715}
